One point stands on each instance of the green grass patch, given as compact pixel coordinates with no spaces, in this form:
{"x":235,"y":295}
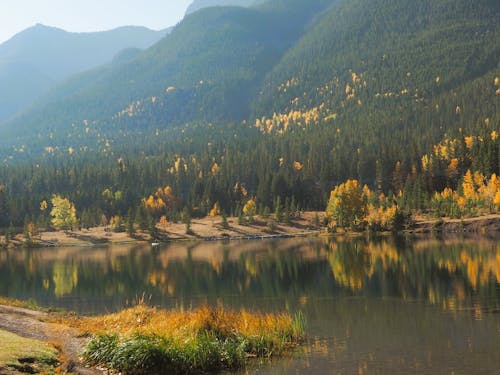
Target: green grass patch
{"x":26,"y":355}
{"x":149,"y":341}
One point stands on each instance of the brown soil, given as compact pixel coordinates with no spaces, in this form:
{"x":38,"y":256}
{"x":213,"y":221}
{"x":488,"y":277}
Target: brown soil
{"x":481,"y":225}
{"x":208,"y":228}
{"x":36,"y":325}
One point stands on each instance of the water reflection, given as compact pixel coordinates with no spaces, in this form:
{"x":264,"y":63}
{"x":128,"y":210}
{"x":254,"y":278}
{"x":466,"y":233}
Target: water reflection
{"x":460,"y":274}
{"x":388,"y":305}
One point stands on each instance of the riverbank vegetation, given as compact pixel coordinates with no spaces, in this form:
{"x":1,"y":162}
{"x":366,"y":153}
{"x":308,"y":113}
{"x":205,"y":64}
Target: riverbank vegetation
{"x":144,"y":340}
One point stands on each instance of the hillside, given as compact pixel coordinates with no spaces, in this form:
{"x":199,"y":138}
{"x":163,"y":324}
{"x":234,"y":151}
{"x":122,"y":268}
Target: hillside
{"x":380,"y":74}
{"x":392,"y":45}
{"x":209,"y":68}
{"x":37,"y":58}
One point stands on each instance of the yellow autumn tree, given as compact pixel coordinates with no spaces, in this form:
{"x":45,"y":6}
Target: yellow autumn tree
{"x":63,"y":213}
{"x":162,"y":200}
{"x":249,"y":209}
{"x":496,"y":200}
{"x":490,"y":192}
{"x":44,"y":205}
{"x":347,"y":205}
{"x":469,"y":189}
{"x":116,"y":223}
{"x":164,"y":223}
{"x":215,"y":211}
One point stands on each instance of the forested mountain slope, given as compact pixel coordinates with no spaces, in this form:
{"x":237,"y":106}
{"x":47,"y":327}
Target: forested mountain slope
{"x":209,"y":68}
{"x":387,"y":73}
{"x":37,"y":58}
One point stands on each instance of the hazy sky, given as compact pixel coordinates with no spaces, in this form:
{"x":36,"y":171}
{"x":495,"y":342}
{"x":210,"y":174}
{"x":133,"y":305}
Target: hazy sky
{"x":88,"y":15}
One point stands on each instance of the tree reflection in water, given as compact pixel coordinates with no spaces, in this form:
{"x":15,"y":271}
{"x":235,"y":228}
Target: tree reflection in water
{"x":453,"y":274}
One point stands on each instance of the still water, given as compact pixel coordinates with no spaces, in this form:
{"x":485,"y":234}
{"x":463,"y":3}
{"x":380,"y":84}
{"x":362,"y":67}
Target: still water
{"x":372,"y":306}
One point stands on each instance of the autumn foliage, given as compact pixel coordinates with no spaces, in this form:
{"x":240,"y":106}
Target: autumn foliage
{"x":63,"y":213}
{"x":196,"y":341}
{"x":475,"y":195}
{"x":351,"y":206}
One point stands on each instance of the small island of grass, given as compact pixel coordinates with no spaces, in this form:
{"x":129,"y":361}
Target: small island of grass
{"x":145,"y":340}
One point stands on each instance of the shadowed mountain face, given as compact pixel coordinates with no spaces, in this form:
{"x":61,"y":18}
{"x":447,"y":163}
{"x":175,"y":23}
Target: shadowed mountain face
{"x":36,"y":59}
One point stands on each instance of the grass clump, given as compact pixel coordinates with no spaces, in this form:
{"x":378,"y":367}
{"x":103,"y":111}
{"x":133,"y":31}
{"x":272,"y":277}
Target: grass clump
{"x":145,"y":340}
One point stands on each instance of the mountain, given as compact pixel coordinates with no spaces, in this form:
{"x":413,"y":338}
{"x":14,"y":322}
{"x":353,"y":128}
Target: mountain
{"x":36,"y":59}
{"x":210,"y":67}
{"x":372,"y":75}
{"x":395,"y":45}
{"x":200,"y":4}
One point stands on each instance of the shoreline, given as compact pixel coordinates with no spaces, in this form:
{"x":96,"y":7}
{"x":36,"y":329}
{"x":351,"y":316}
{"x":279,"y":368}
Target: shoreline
{"x":210,"y":229}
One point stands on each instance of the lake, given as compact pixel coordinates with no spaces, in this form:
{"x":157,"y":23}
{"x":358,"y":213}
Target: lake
{"x":379,"y":306}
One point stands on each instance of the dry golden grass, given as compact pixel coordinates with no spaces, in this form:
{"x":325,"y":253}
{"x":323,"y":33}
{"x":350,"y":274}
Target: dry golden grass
{"x":203,"y":340}
{"x":179,"y":323}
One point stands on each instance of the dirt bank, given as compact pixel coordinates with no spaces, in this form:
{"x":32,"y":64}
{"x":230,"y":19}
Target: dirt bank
{"x":201,"y":229}
{"x":481,"y":225}
{"x":212,"y":229}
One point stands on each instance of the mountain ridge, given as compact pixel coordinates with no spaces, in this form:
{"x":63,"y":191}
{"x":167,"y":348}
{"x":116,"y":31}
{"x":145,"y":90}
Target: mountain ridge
{"x":275,"y":104}
{"x":51,"y":55}
{"x":196,"y":51}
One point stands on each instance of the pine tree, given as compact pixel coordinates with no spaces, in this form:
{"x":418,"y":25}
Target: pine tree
{"x":224,"y":223}
{"x":130,"y":223}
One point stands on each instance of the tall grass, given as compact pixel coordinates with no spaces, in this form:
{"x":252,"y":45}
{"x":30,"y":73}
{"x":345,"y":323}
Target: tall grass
{"x":144,"y":340}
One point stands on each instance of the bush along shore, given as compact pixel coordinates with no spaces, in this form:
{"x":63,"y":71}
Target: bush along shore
{"x":144,"y":340}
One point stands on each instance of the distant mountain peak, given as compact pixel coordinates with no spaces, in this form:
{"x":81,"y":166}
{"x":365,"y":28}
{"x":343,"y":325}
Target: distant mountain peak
{"x":200,"y":4}
{"x":35,"y":59}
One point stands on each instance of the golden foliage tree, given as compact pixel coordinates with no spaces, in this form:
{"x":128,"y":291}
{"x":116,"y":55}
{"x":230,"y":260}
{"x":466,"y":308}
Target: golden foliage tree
{"x":162,"y":200}
{"x":215,"y":211}
{"x":347,"y":204}
{"x":63,"y":213}
{"x":249,"y":209}
{"x":164,"y":223}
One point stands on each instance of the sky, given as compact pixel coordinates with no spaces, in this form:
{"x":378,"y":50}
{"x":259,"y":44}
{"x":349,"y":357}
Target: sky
{"x":88,"y":15}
